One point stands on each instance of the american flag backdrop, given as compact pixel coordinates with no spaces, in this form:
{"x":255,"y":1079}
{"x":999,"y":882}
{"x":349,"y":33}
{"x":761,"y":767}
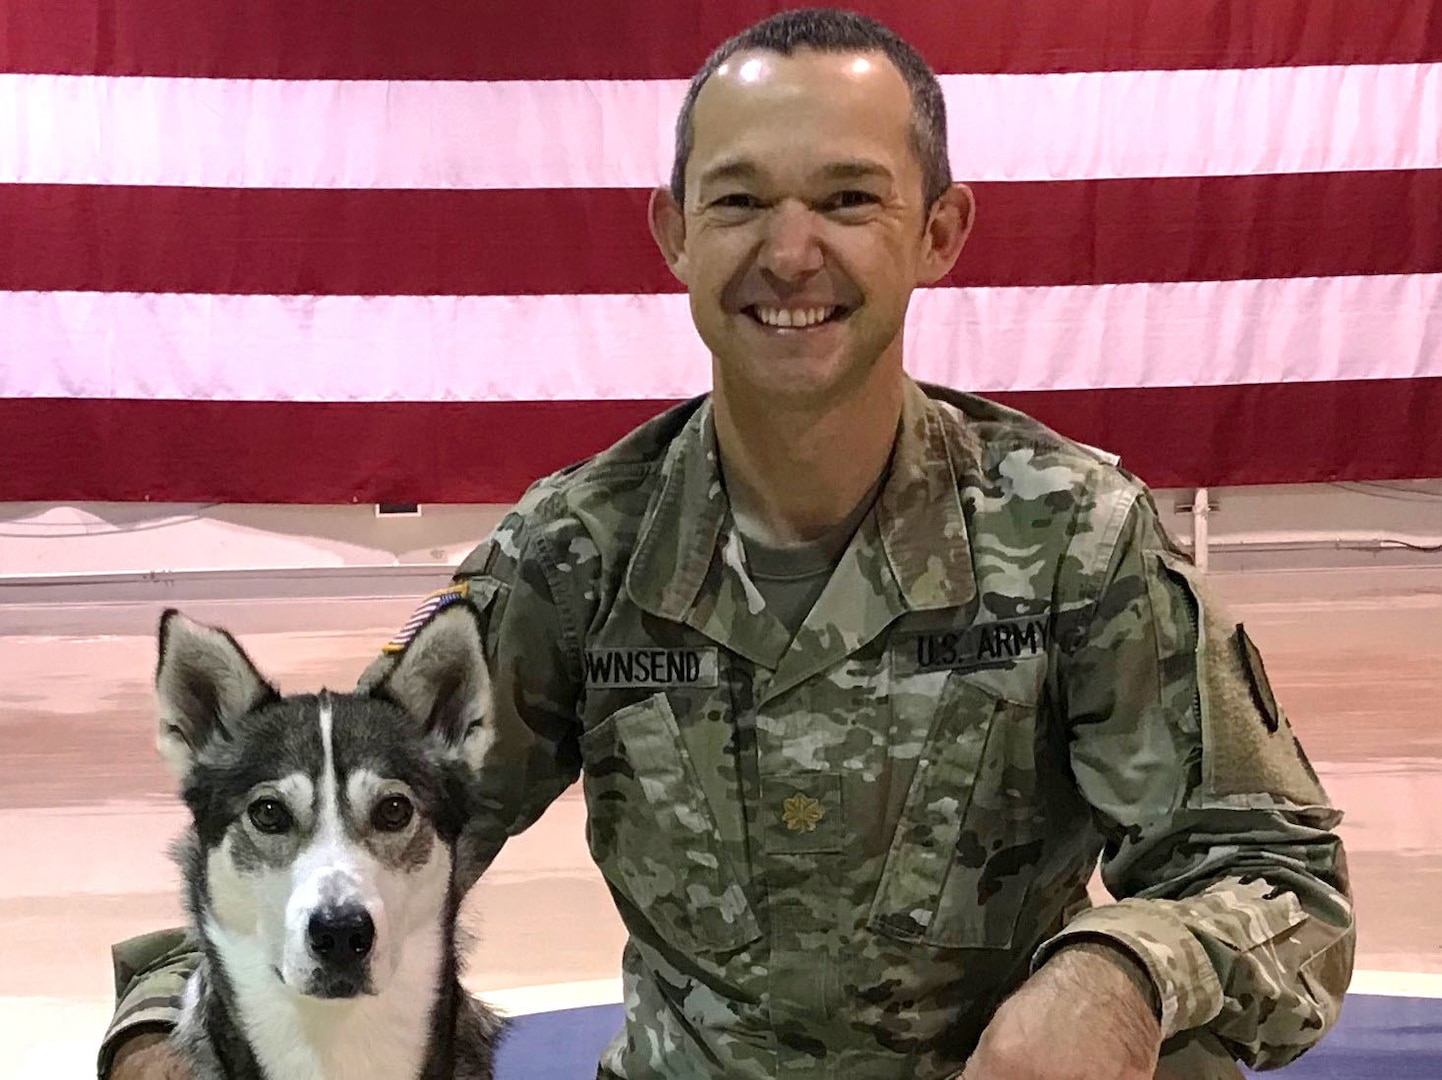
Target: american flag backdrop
{"x":324,"y":251}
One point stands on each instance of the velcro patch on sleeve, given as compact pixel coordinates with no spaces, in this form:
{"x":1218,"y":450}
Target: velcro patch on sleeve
{"x":1248,"y":747}
{"x":436,"y":601}
{"x":1262,"y":695}
{"x":1249,"y":751}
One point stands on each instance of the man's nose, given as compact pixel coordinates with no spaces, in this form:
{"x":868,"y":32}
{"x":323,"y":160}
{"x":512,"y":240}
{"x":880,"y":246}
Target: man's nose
{"x":790,"y":244}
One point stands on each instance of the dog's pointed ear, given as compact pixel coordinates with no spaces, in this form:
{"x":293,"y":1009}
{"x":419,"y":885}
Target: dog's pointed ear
{"x":441,"y":680}
{"x":204,"y":683}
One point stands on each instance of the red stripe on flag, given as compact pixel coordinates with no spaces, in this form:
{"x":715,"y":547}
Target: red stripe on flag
{"x":347,"y":242}
{"x":562,"y":39}
{"x":437,"y":453}
{"x":327,"y":242}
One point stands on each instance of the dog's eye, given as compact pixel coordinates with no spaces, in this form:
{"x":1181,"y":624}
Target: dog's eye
{"x":270,"y":816}
{"x":392,"y":814}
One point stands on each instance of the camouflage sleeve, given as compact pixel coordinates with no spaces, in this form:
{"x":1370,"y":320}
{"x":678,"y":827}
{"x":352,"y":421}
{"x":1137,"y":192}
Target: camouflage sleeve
{"x":1220,"y":840}
{"x":528,"y":601}
{"x":150,"y":976}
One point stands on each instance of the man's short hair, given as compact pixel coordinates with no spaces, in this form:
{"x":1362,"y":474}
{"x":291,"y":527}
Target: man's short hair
{"x":832,"y":31}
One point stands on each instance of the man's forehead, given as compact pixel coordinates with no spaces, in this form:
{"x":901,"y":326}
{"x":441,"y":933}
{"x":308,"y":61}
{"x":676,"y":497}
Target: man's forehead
{"x":856,"y":106}
{"x":755,"y":66}
{"x":841,"y":82}
{"x":741,"y":167}
{"x":754,"y":63}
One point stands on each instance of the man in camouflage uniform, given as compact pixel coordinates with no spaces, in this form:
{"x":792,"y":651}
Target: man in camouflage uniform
{"x":861,"y":676}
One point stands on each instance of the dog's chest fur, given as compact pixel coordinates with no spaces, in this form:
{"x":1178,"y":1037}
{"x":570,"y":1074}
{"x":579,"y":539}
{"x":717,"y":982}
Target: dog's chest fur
{"x":380,"y":1042}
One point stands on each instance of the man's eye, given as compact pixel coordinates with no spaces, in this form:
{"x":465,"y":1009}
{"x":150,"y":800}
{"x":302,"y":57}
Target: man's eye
{"x":736,"y":201}
{"x":849,"y":200}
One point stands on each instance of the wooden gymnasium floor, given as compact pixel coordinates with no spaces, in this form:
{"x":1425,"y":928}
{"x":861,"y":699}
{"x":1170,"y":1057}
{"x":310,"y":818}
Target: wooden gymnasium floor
{"x":86,"y":812}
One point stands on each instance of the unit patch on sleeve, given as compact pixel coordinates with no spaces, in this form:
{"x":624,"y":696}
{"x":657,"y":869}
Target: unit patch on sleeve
{"x":1261,"y":687}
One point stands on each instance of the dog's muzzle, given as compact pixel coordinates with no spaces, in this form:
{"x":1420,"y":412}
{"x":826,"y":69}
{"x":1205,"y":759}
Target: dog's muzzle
{"x":340,"y":938}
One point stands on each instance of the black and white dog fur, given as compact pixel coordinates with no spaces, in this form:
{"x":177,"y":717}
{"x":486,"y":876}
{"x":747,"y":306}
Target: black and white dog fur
{"x":320,"y":868}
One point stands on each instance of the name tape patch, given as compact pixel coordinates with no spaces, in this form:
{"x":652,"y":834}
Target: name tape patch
{"x":972,"y":648}
{"x":650,"y":668}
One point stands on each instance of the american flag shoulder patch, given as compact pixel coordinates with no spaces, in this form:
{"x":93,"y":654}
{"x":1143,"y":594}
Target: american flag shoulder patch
{"x":436,"y":601}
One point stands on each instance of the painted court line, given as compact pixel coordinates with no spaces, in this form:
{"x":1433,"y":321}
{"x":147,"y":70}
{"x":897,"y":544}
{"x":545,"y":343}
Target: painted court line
{"x":1397,"y":984}
{"x":556,"y":997}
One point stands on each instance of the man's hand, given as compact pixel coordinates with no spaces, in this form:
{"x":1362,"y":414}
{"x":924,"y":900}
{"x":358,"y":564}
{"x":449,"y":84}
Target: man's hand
{"x":148,"y":1057}
{"x":1089,"y":1014}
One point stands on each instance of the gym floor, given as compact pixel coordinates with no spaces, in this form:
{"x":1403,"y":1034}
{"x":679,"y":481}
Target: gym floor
{"x":87,"y":811}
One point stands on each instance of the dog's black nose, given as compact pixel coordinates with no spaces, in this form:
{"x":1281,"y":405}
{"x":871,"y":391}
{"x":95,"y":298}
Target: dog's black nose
{"x":341,"y":933}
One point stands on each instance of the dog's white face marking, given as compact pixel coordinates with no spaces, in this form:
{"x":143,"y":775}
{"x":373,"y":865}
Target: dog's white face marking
{"x":332,"y":871}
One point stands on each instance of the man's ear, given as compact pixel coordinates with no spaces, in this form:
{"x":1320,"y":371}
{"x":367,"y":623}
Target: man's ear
{"x":668,"y":229}
{"x":204,"y":685}
{"x":441,"y":681}
{"x":947,"y":229}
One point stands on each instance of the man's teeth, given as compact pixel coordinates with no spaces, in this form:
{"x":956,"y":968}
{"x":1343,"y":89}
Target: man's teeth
{"x":789,"y":318}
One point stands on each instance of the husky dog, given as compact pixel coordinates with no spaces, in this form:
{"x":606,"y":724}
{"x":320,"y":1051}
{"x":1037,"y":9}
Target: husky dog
{"x":320,"y":865}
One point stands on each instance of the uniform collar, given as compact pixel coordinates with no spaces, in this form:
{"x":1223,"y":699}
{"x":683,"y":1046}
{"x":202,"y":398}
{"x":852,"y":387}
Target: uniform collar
{"x":912,"y":550}
{"x":919,"y":513}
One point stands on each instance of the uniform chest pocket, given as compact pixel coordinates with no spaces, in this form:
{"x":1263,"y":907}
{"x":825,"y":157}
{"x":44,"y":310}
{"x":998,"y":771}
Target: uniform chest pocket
{"x":973,"y":828}
{"x":653,"y":835}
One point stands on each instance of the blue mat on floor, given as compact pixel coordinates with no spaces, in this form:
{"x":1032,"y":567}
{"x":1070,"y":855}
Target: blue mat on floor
{"x":1377,"y":1038}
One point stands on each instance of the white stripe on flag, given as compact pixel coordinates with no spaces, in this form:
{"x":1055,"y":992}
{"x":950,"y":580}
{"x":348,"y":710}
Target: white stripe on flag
{"x":418,"y":348}
{"x":547,"y":134}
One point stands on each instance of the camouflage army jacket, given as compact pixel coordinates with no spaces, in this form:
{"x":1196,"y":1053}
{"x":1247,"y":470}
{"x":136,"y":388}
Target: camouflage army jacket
{"x":835,"y":853}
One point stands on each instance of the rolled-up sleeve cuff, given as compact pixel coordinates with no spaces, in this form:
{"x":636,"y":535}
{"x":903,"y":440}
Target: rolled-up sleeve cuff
{"x":150,"y":977}
{"x":1186,"y":982}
